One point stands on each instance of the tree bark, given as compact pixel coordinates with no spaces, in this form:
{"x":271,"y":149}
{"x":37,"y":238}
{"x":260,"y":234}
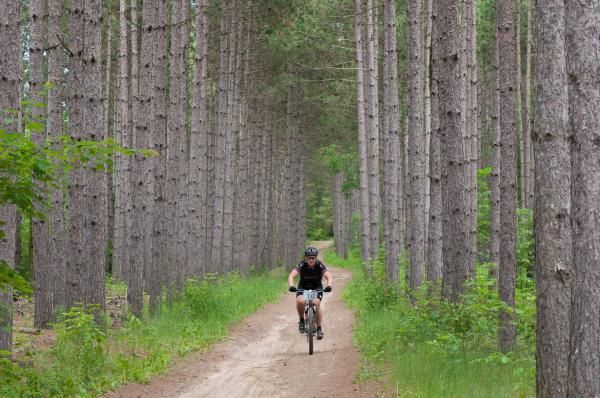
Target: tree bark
{"x":391,"y":143}
{"x":41,"y":238}
{"x":434,"y":247}
{"x":454,"y":224}
{"x":231,"y":138}
{"x":123,"y":165}
{"x":496,"y":166}
{"x":157,"y":272}
{"x":472,"y":126}
{"x":55,"y":126}
{"x":582,"y":30}
{"x":198,"y":143}
{"x":220,"y":148}
{"x":87,"y":196}
{"x":144,"y":168}
{"x":552,"y":212}
{"x":373,"y":130}
{"x":527,"y":126}
{"x":10,"y":86}
{"x":508,"y":176}
{"x":362,"y":134}
{"x":416,"y":145}
{"x":241,"y":215}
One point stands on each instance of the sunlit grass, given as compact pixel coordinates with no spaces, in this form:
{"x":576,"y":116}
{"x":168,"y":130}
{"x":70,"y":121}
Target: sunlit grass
{"x":419,"y":369}
{"x":436,"y":351}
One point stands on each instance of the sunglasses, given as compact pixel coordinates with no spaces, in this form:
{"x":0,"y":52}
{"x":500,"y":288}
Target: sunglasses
{"x":311,"y":258}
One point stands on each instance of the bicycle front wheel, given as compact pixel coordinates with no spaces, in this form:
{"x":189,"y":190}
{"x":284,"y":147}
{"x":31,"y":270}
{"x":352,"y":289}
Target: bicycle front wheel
{"x":311,"y":330}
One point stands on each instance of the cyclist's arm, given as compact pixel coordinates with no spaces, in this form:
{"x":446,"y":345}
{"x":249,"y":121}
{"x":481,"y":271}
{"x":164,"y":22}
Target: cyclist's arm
{"x":291,"y":276}
{"x":329,"y":278}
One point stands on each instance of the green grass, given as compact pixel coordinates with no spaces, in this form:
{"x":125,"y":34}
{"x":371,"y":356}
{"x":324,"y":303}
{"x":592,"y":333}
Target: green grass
{"x":435,"y":349}
{"x":87,"y":361}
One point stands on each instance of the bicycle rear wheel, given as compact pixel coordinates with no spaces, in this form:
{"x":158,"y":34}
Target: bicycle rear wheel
{"x":311,"y":330}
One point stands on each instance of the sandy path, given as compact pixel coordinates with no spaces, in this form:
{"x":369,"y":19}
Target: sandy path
{"x":265,"y":356}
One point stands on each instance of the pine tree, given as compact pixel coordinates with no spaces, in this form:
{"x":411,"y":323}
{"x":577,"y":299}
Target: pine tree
{"x":552,"y":212}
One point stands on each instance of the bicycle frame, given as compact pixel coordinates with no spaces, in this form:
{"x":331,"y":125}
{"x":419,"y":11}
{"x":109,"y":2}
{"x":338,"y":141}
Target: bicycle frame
{"x":310,"y":316}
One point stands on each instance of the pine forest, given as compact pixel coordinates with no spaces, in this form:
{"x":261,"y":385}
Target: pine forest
{"x":165,"y":163}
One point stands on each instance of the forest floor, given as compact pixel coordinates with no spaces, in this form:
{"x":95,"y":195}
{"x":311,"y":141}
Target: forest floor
{"x":265,"y":356}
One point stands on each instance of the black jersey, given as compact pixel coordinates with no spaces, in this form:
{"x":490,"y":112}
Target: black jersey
{"x":311,"y":278}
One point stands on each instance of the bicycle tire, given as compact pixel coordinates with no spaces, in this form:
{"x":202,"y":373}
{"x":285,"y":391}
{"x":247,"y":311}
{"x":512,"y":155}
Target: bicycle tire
{"x":311,"y":330}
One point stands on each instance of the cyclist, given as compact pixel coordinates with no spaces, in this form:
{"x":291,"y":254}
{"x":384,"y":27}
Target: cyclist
{"x":311,"y":271}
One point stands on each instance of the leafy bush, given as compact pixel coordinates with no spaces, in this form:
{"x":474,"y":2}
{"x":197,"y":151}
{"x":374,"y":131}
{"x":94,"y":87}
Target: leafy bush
{"x":80,"y":350}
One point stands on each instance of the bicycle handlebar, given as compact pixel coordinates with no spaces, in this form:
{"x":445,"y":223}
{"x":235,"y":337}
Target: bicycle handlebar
{"x":315,"y":290}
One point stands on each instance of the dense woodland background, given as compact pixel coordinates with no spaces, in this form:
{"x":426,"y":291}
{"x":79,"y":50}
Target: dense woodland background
{"x":418,"y":132}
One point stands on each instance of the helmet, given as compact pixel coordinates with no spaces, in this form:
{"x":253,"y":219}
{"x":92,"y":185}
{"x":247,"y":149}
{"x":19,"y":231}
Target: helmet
{"x":311,"y":251}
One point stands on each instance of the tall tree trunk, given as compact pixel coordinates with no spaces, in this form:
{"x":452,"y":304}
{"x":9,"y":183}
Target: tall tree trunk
{"x":41,"y":234}
{"x":230,"y":140}
{"x":144,"y":168}
{"x":582,"y":20}
{"x":552,"y":212}
{"x":57,"y":256}
{"x":108,"y":98}
{"x":496,"y":166}
{"x":434,"y":247}
{"x":11,"y":70}
{"x":242,"y":216}
{"x":157,"y":271}
{"x":527,"y":119}
{"x":174,"y":142}
{"x":256,"y":165}
{"x":472,"y":126}
{"x":426,"y":67}
{"x":416,"y":145}
{"x":391,"y":143}
{"x":336,"y":209}
{"x":220,"y":152}
{"x":362,"y":134}
{"x":451,"y":136}
{"x":87,"y":197}
{"x":522,"y":183}
{"x":373,"y":129}
{"x":198,"y":143}
{"x":123,"y":165}
{"x":177,"y":143}
{"x":508,"y":177}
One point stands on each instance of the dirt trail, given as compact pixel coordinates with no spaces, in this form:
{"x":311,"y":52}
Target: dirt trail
{"x":265,"y":356}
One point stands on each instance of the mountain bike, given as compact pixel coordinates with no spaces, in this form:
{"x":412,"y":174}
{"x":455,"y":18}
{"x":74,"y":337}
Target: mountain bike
{"x":310,"y":316}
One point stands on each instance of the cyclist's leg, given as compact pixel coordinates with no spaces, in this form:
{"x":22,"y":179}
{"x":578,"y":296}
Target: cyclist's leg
{"x":317,"y":301}
{"x":319,"y":313}
{"x":300,"y":305}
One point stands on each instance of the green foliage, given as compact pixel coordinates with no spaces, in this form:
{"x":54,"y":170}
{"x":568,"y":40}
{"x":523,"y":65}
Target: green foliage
{"x":525,"y":242}
{"x":319,"y":220}
{"x":29,"y":170}
{"x":11,"y":277}
{"x":336,"y":161}
{"x":486,"y":28}
{"x":440,"y":349}
{"x":87,"y":361}
{"x":80,"y":348}
{"x":484,"y":213}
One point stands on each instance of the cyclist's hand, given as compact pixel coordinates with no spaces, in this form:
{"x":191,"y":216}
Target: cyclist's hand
{"x":292,"y":288}
{"x":328,"y":289}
